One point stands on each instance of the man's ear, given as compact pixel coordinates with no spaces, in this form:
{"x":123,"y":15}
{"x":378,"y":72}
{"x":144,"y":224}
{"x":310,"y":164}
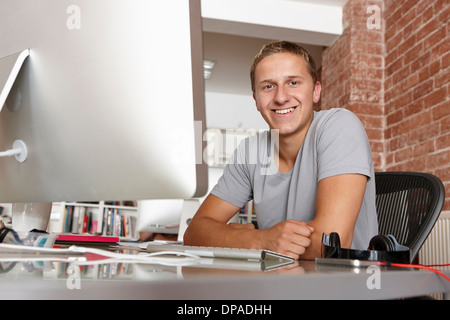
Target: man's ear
{"x":316,"y":92}
{"x":256,"y":101}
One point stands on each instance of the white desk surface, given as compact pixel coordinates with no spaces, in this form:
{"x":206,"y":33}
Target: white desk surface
{"x":33,"y":279}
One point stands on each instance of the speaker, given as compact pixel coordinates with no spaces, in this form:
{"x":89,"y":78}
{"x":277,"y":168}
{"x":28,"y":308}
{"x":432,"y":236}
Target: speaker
{"x":383,"y":248}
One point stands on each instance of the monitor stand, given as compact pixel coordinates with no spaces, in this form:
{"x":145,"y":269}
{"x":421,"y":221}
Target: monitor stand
{"x":189,"y":208}
{"x":31,"y":216}
{"x":9,"y":70}
{"x":25,"y":216}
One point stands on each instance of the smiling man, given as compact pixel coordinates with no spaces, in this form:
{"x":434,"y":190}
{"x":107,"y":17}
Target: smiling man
{"x":321,"y":178}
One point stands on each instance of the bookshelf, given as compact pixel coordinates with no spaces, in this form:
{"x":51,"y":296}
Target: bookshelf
{"x":221,"y":144}
{"x":105,"y":218}
{"x":247,"y":213}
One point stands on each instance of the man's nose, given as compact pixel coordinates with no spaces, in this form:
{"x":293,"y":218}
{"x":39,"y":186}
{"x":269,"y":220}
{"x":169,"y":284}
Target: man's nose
{"x":282,"y":95}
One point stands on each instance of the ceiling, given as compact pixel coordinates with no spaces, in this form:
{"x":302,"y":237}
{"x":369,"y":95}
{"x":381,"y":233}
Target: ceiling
{"x":235,"y":30}
{"x":306,"y":21}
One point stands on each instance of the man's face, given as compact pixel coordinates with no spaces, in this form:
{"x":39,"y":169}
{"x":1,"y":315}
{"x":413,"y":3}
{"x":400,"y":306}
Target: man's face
{"x":285,"y":93}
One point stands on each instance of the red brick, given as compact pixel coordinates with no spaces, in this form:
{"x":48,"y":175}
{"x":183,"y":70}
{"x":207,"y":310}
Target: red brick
{"x":422,"y":5}
{"x":427,"y":132}
{"x":424,"y":148}
{"x":443,"y":174}
{"x":443,"y":10}
{"x":443,"y":142}
{"x":417,"y":164}
{"x":430,"y":27}
{"x":396,"y":65}
{"x":435,"y":38}
{"x":446,"y":62}
{"x":445,"y":124}
{"x":365,"y":108}
{"x":414,"y":107}
{"x":423,"y":89}
{"x":392,"y":42}
{"x":442,"y":79}
{"x":404,"y":154}
{"x":420,"y":119}
{"x":365,"y":84}
{"x":421,"y":61}
{"x":441,"y":111}
{"x":427,"y":14}
{"x":438,"y":160}
{"x":436,"y":97}
{"x":375,"y":134}
{"x":374,"y":73}
{"x":372,"y":122}
{"x":395,"y":117}
{"x":407,"y":43}
{"x":440,"y":50}
{"x":402,"y":74}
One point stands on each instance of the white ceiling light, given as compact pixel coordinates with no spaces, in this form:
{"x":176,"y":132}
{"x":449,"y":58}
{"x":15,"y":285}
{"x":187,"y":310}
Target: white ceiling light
{"x":208,"y":66}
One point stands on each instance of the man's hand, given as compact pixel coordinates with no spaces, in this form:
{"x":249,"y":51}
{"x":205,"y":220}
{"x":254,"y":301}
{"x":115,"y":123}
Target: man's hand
{"x":209,"y":228}
{"x":289,"y":237}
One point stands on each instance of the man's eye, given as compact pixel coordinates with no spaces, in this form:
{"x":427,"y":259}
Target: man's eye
{"x":294,"y":82}
{"x":268,"y":86}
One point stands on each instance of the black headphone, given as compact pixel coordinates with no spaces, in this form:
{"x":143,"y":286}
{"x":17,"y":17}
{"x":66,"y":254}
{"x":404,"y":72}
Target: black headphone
{"x":381,"y":248}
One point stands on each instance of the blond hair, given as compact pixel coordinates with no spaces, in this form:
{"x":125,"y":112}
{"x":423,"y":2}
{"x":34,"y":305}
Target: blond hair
{"x":282,"y":47}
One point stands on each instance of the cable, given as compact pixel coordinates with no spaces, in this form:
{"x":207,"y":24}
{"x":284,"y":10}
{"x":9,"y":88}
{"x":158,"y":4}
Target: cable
{"x":10,"y":152}
{"x":135,"y":257}
{"x":19,"y":150}
{"x":419,"y":266}
{"x":438,"y":265}
{"x":174,"y":259}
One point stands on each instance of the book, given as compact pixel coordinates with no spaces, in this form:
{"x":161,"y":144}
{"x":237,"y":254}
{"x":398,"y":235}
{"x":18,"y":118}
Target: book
{"x":70,"y":237}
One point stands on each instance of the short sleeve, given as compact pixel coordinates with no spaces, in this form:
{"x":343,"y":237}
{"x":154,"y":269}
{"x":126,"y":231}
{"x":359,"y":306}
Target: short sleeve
{"x":235,"y":184}
{"x":343,"y":146}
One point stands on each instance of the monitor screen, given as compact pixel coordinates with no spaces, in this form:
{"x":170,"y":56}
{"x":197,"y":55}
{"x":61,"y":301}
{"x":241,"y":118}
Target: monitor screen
{"x":109,"y":102}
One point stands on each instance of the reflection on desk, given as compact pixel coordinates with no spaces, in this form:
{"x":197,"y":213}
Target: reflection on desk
{"x":80,"y":276}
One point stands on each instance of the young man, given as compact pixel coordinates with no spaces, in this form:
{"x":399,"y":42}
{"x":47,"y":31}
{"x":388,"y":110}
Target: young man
{"x":323,"y":179}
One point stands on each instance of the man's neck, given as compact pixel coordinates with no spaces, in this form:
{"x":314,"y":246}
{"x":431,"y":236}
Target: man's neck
{"x":288,"y":149}
{"x":287,"y":153}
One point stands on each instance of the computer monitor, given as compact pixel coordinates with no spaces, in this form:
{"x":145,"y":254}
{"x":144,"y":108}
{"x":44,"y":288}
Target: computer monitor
{"x":109,"y":102}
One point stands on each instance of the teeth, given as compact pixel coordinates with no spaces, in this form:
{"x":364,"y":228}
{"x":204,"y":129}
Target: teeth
{"x":283,"y":111}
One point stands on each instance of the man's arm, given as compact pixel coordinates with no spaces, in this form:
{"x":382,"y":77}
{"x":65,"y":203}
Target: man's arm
{"x":339,"y":200}
{"x":209,"y":228}
{"x":209,"y":225}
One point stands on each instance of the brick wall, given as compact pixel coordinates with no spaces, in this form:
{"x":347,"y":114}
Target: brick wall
{"x":416,"y":87}
{"x":396,"y":79}
{"x":352,"y":74}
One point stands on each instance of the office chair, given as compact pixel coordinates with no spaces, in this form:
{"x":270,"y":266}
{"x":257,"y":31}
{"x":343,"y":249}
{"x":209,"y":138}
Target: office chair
{"x":408,"y":205}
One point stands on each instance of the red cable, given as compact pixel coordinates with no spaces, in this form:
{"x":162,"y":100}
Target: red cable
{"x":419,"y":266}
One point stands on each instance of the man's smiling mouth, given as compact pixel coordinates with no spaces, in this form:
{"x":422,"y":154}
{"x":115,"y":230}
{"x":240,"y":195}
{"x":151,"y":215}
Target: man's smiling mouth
{"x":284,"y":111}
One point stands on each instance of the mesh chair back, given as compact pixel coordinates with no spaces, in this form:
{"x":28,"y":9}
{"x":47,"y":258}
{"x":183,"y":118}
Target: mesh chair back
{"x":408,"y":205}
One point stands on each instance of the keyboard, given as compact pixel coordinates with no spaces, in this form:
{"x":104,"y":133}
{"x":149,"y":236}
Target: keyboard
{"x":215,"y":252}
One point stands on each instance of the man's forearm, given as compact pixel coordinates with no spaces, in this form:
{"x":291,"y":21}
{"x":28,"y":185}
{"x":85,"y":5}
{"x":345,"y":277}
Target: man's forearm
{"x":206,"y":231}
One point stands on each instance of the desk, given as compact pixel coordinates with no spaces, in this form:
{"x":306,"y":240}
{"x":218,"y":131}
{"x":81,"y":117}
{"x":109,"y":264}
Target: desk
{"x":299,"y":280}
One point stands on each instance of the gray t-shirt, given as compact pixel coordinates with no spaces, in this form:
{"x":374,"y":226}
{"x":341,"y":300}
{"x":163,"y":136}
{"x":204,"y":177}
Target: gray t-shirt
{"x":336,"y":143}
